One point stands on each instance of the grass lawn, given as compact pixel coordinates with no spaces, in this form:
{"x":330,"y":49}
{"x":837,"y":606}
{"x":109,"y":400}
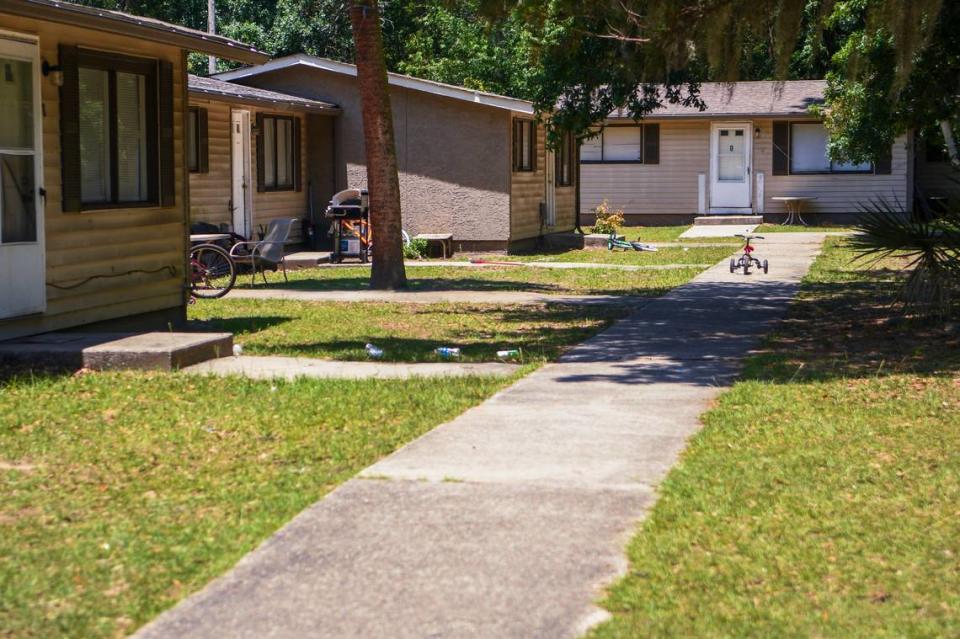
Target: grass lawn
{"x":796,"y":228}
{"x":124,"y":492}
{"x":821,"y":498}
{"x":585,"y":281}
{"x":406,"y":332}
{"x":669,"y":255}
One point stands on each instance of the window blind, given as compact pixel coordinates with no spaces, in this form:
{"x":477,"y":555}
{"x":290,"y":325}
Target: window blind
{"x":95,"y":183}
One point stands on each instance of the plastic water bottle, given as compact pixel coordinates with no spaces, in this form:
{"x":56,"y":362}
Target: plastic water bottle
{"x":511,"y":353}
{"x":447,"y":352}
{"x":373,"y":352}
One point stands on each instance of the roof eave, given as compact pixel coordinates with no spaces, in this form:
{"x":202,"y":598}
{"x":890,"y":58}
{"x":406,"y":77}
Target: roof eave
{"x":394,"y":79}
{"x":274,"y":104}
{"x":130,"y":25}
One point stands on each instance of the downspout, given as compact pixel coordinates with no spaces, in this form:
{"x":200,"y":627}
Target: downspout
{"x":576,"y":199}
{"x":947,"y":129}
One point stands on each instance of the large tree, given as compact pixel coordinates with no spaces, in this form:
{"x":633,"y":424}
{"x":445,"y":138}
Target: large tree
{"x":891,"y":65}
{"x":383,"y":180}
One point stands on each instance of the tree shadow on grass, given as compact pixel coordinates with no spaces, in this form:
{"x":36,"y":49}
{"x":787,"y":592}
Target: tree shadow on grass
{"x":237,"y":325}
{"x":543,"y":332}
{"x":702,"y":333}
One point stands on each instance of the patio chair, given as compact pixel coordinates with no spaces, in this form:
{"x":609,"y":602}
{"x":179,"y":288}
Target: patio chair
{"x":266,"y":253}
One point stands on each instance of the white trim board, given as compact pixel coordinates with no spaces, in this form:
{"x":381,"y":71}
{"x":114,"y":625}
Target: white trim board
{"x":395,"y":79}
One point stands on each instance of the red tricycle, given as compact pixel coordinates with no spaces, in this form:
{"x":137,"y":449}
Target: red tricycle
{"x":747,"y":260}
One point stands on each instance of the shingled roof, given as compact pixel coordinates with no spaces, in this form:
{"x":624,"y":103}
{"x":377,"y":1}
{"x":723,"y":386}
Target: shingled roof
{"x":742,"y":99}
{"x":212,"y":87}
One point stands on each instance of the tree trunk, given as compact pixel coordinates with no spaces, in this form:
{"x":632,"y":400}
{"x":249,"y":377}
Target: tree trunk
{"x":383,"y":182}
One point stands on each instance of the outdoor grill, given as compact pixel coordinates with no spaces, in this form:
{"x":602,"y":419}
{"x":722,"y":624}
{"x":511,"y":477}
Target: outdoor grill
{"x":350,"y":204}
{"x":349,"y":211}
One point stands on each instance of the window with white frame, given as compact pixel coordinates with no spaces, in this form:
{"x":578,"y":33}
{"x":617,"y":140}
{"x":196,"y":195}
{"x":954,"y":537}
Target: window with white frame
{"x":808,"y":152}
{"x":615,"y":144}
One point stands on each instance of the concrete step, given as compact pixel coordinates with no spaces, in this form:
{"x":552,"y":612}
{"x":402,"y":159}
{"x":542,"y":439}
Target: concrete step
{"x":728,"y":220}
{"x":576,"y":240}
{"x":116,"y":351}
{"x":307,"y":259}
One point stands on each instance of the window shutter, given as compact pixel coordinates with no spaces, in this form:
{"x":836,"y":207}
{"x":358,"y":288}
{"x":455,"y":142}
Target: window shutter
{"x":297,"y":186}
{"x":70,"y":171}
{"x":883,"y":165}
{"x":168,"y":187}
{"x":259,"y":143}
{"x":781,"y":148}
{"x":651,"y":144}
{"x":203,"y":142}
{"x":516,"y":144}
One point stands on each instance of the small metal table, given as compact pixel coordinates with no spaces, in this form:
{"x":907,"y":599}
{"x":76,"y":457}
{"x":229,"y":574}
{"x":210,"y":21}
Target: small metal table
{"x":794,"y":205}
{"x":202,"y":238}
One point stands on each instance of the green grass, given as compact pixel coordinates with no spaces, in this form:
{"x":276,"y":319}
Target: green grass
{"x":406,"y":332}
{"x":821,"y":498}
{"x":123,"y":493}
{"x":654,"y":233}
{"x":586,"y":281}
{"x":669,"y":255}
{"x":796,"y":228}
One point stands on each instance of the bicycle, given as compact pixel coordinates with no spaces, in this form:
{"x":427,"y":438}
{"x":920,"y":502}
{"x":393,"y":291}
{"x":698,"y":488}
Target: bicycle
{"x":212,"y":271}
{"x":747,"y":260}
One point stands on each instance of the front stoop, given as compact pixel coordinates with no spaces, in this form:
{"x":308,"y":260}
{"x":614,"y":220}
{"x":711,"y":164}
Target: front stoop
{"x":727,"y":220}
{"x":307,"y":259}
{"x":576,"y":240}
{"x":117,"y":351}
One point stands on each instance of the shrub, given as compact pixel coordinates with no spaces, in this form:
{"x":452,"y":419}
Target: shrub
{"x":415,"y":249}
{"x":607,"y":221}
{"x":931,"y":246}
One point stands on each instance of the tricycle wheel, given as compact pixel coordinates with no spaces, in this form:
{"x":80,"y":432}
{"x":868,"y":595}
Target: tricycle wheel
{"x":766,"y":267}
{"x":733,"y":265}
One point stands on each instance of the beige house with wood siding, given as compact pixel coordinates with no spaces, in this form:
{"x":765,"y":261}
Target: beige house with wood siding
{"x":472,"y":164}
{"x":94,"y":199}
{"x":256,"y":155}
{"x":754,"y":142}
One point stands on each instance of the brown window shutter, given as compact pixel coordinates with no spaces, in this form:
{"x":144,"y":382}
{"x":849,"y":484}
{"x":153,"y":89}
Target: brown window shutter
{"x":781,"y":148}
{"x":297,"y":186}
{"x":70,"y":130}
{"x":534,"y":148}
{"x":884,"y":163}
{"x":203,"y":142}
{"x":168,"y":186}
{"x":516,"y":144}
{"x":259,"y":142}
{"x":651,"y":144}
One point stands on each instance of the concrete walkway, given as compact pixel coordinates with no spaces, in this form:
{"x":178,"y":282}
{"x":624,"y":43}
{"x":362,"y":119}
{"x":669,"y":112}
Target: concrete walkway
{"x":507,"y":521}
{"x":428,"y":297}
{"x":272,"y":367}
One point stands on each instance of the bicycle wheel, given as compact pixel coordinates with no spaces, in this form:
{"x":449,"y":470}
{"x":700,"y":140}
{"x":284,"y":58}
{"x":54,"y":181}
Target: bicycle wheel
{"x":212,"y":271}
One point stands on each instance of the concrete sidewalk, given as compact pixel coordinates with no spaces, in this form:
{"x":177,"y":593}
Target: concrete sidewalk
{"x":430,"y":297}
{"x":272,"y":367}
{"x":508,"y":521}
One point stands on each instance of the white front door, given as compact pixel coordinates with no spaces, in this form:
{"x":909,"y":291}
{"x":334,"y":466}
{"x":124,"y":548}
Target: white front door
{"x":550,"y":191}
{"x":730,"y":156}
{"x":22,"y":262}
{"x":241,"y":196}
